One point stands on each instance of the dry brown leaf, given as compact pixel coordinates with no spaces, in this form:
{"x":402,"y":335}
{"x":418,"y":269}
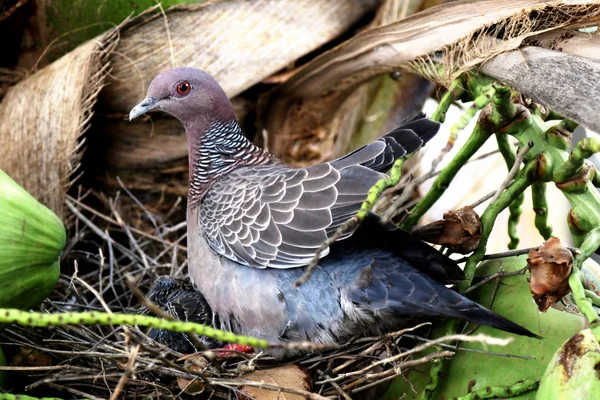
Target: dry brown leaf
{"x":550,"y":267}
{"x":290,"y":375}
{"x":460,"y":230}
{"x":469,"y":33}
{"x":43,"y":117}
{"x":239,"y":42}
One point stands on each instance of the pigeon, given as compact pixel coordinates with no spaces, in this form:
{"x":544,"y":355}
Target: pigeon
{"x":254,"y":222}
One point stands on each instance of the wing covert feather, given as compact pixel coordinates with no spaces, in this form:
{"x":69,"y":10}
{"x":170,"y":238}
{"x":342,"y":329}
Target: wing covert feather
{"x":278,"y":216}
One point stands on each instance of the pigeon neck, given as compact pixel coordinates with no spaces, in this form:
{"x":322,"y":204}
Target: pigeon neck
{"x":216,"y":152}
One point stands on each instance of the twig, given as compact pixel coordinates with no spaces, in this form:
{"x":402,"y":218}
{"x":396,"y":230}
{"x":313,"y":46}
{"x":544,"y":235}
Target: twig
{"x":129,"y":368}
{"x":513,"y":171}
{"x":450,"y":338}
{"x":500,"y":273}
{"x":335,"y":385}
{"x":514,"y":253}
{"x":454,"y":348}
{"x":268,"y":386}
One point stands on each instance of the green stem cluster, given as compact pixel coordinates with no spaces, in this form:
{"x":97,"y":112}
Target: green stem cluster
{"x":547,"y":162}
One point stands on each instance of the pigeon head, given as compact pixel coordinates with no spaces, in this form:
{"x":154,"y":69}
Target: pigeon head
{"x":189,"y":94}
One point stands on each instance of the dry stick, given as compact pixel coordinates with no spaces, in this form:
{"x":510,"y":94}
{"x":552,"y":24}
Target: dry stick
{"x":394,"y":209}
{"x":112,"y":221}
{"x":377,"y":344}
{"x":483,"y":199}
{"x":513,"y":171}
{"x":129,"y":368}
{"x":454,"y":348}
{"x":500,"y":273}
{"x":159,"y":355}
{"x":450,"y":338}
{"x":490,"y":302}
{"x":268,"y":386}
{"x":139,"y":204}
{"x":132,"y":239}
{"x":392,"y":373}
{"x":73,"y":391}
{"x":99,"y":232}
{"x":514,"y":253}
{"x":335,"y":385}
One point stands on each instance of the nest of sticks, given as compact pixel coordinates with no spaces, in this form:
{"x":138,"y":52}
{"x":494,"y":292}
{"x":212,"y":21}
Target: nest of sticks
{"x":142,"y":239}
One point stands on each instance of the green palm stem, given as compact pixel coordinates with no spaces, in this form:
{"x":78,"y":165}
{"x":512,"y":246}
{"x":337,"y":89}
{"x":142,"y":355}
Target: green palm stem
{"x":540,"y":207}
{"x":516,"y":207}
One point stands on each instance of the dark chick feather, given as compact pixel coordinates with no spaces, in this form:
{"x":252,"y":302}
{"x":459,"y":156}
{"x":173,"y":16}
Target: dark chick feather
{"x":252,"y":220}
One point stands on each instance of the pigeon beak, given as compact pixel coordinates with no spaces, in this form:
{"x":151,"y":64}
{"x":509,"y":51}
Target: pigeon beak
{"x":146,"y":105}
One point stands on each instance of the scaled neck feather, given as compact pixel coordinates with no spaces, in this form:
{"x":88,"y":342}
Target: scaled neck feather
{"x":216,"y":152}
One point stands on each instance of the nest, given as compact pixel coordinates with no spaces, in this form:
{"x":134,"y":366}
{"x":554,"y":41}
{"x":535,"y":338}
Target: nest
{"x":145,"y":238}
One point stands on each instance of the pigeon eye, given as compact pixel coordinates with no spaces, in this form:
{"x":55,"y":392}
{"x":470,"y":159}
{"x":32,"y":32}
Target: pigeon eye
{"x":184,"y":87}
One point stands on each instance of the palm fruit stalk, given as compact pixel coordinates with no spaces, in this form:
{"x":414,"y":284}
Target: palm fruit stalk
{"x":32,"y":238}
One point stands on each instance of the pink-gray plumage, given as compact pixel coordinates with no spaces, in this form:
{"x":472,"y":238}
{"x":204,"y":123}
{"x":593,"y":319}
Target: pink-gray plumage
{"x":253,"y":221}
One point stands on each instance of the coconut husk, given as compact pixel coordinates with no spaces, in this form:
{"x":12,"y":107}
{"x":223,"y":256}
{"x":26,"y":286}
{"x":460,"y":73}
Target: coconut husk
{"x":43,"y":117}
{"x":569,"y":41}
{"x":440,"y":49}
{"x":239,"y":42}
{"x":362,"y":115}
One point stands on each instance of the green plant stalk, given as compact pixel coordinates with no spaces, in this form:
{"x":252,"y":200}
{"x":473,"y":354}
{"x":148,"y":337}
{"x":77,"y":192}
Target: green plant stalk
{"x":376,"y":190}
{"x":540,"y":207}
{"x":479,"y":136}
{"x":10,"y":316}
{"x":8,"y":396}
{"x":485,"y":98}
{"x":455,"y":91}
{"x":522,"y":181}
{"x":585,"y":304}
{"x":594,"y":298}
{"x":515,"y":207}
{"x":504,"y":110}
{"x":596,"y":178}
{"x":502,"y":113}
{"x":584,"y":149}
{"x":568,"y":124}
{"x":504,"y":392}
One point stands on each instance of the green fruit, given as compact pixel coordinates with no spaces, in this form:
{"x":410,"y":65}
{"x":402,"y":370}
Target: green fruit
{"x":574,"y":371}
{"x":31,"y":240}
{"x":477,"y":371}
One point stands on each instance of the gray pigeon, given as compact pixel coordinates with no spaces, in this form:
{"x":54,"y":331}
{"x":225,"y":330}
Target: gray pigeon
{"x":254,"y":222}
